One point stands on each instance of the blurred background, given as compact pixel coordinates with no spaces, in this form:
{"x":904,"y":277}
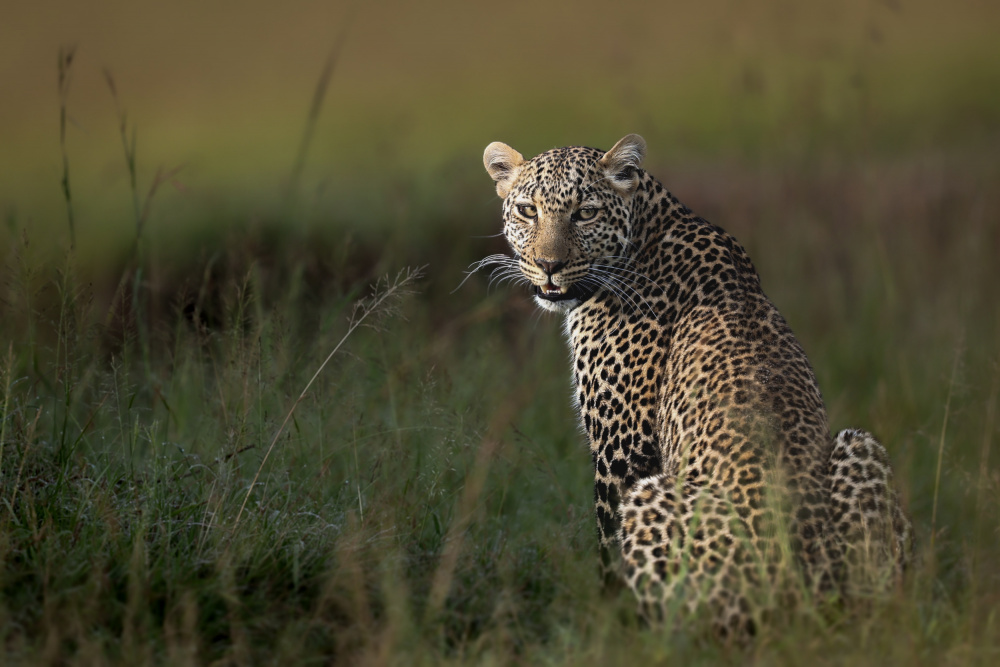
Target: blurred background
{"x":222,"y":92}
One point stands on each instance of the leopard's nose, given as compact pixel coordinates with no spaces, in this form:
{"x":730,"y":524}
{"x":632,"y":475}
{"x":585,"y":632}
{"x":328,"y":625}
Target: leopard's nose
{"x":549,"y":267}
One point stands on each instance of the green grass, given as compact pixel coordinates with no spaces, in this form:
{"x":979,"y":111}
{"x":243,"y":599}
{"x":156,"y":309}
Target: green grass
{"x":429,"y":499}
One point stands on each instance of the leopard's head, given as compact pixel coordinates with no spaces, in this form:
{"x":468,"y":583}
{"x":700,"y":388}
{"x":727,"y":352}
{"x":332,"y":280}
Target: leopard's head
{"x":568,"y":215}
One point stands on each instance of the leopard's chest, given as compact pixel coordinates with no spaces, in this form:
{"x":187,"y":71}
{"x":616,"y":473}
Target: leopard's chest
{"x":617,"y":373}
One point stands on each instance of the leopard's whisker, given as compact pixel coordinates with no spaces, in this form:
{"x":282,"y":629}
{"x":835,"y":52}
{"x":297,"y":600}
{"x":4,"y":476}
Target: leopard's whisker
{"x":623,"y":289}
{"x":479,"y":264}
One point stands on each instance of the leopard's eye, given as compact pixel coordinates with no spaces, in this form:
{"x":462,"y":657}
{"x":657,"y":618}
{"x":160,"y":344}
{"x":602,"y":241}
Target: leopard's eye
{"x":586,"y":213}
{"x":527,"y":210}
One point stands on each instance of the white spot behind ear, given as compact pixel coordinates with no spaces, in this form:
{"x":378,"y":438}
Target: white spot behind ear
{"x":502,"y":162}
{"x":622,"y":162}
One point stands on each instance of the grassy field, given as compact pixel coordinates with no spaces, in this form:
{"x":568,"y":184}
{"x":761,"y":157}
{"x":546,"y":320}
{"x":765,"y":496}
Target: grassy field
{"x":249,"y":418}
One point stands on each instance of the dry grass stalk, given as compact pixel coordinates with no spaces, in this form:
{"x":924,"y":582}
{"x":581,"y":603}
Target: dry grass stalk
{"x":382,"y":302}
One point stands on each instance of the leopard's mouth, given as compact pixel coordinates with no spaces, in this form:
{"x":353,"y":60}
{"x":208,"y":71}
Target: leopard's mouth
{"x":551,"y":292}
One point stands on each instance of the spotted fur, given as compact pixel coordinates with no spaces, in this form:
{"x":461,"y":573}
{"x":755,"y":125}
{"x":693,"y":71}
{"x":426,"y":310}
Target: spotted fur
{"x":717,"y":484}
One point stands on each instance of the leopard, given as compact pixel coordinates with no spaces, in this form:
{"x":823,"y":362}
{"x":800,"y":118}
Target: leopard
{"x":718,"y":487}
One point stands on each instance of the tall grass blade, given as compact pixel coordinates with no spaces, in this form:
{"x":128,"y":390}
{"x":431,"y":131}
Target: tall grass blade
{"x":941,"y":441}
{"x":66,"y":55}
{"x":316,"y":106}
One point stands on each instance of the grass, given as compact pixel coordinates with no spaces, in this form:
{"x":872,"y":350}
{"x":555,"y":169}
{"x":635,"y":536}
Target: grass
{"x":207,"y":454}
{"x":429,"y":498}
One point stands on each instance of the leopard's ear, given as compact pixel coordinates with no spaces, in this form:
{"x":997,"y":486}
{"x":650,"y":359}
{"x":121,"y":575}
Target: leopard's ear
{"x":502,"y":162}
{"x":621,"y":163}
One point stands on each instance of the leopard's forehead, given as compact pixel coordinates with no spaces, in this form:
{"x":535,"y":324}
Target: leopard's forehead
{"x":558,"y":169}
